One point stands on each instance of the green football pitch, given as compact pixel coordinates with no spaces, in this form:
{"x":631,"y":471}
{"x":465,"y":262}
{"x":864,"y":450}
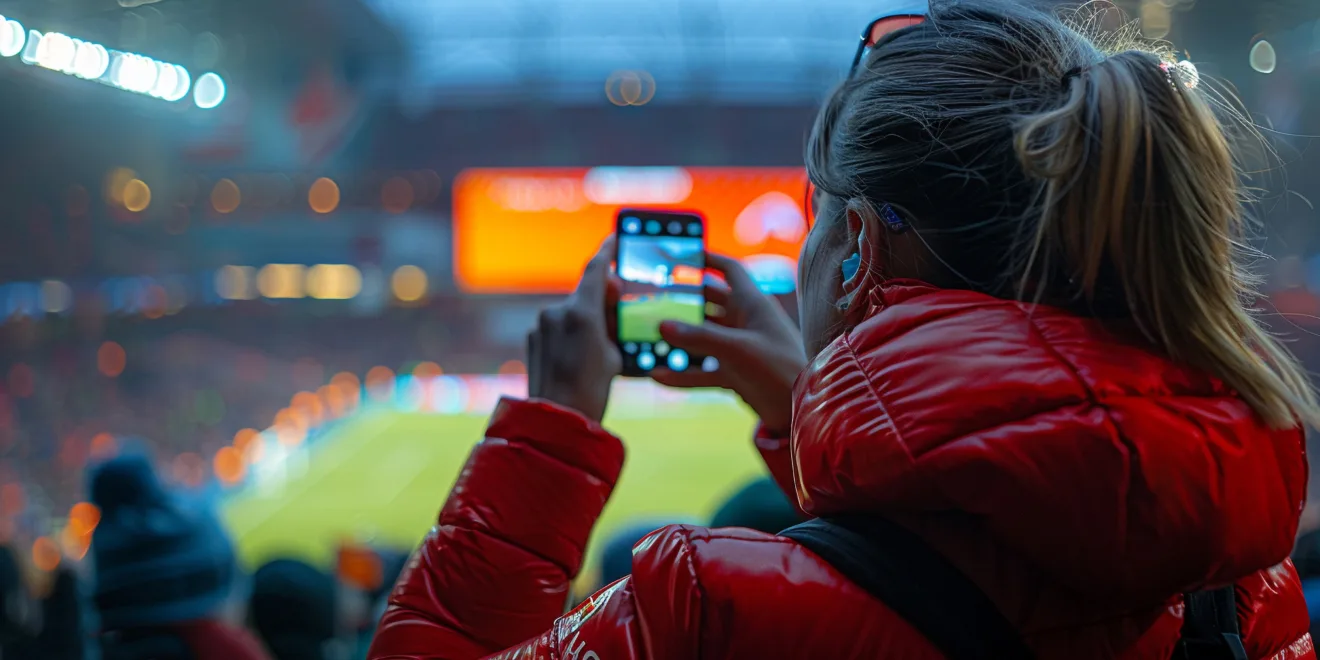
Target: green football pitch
{"x":383,"y":475}
{"x":640,"y":321}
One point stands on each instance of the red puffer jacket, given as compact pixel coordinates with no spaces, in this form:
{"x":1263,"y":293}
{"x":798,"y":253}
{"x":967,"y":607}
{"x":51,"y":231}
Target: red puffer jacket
{"x":1081,"y":481}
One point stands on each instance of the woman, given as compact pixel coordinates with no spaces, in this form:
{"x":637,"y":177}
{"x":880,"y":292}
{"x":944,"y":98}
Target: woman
{"x":1026,"y":345}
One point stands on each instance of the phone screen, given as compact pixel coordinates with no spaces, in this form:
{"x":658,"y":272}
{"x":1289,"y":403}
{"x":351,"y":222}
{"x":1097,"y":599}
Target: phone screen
{"x":662,"y":263}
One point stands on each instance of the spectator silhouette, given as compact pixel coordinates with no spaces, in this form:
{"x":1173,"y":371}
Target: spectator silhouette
{"x":165,"y":571}
{"x":760,"y":505}
{"x":293,"y":609}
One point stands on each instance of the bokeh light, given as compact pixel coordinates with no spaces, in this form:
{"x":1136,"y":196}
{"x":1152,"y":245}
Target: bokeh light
{"x":115,"y":182}
{"x":290,"y":427}
{"x":111,"y":359}
{"x":84,"y":517}
{"x":323,"y":196}
{"x":154,"y":301}
{"x":347,"y":382}
{"x":1263,"y":58}
{"x":397,"y":195}
{"x":45,"y":554}
{"x":236,"y":282}
{"x":56,"y":296}
{"x":408,"y":283}
{"x":209,"y":91}
{"x":74,"y":542}
{"x":1156,"y":18}
{"x":333,"y":281}
{"x":225,"y":196}
{"x":309,"y":406}
{"x":244,"y":439}
{"x":13,"y":36}
{"x":229,"y":465}
{"x":255,"y":450}
{"x":137,"y":196}
{"x":427,"y":370}
{"x":281,"y":280}
{"x":625,"y":88}
{"x":380,"y":383}
{"x":333,"y":399}
{"x":103,"y":446}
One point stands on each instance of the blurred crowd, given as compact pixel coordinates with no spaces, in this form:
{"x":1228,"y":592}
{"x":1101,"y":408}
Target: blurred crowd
{"x":163,"y":582}
{"x":185,"y":386}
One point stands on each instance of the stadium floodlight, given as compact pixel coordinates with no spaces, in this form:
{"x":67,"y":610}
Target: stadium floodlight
{"x":56,"y":51}
{"x":13,"y":37}
{"x":182,"y":83}
{"x":166,"y":80}
{"x":92,"y":61}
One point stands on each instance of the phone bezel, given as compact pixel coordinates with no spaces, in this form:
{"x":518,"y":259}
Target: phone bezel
{"x":630,"y":368}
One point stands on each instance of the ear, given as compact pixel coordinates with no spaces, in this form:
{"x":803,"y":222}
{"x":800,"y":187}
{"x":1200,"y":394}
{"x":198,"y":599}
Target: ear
{"x":866,"y":234}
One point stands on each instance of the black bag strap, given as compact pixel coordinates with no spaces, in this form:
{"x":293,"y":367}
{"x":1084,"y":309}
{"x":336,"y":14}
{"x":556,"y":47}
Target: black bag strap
{"x":920,"y":585}
{"x":1210,"y":627}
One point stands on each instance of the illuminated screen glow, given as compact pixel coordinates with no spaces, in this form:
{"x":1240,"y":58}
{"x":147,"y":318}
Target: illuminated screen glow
{"x":662,"y":281}
{"x":530,"y":231}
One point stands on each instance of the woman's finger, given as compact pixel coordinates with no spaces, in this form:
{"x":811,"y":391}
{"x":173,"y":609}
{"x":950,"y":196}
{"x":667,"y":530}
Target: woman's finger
{"x":734,"y":273}
{"x":689,"y":379}
{"x":717,"y":293}
{"x":722,"y":316}
{"x":709,"y":339}
{"x":590,"y":293}
{"x":613,"y":289}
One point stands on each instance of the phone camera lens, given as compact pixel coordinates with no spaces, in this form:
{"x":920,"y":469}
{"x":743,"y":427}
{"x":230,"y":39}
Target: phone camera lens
{"x":653,"y":226}
{"x":694,"y":229}
{"x":646,"y":361}
{"x":675,"y":227}
{"x":678,"y":360}
{"x":710,"y":364}
{"x":630,"y":348}
{"x":631,"y":225}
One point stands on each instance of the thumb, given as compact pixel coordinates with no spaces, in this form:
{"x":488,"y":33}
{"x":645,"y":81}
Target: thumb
{"x":709,"y":339}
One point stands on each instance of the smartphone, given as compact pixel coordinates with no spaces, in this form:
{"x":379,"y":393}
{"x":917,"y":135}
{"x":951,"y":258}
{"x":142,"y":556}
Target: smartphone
{"x":661,"y":260}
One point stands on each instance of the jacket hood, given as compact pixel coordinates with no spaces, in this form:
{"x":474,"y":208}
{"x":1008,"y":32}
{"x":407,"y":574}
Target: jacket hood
{"x":1115,"y":471}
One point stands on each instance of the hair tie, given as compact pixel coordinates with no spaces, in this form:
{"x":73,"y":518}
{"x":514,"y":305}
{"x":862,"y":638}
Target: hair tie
{"x":891,"y":219}
{"x":1169,"y":74}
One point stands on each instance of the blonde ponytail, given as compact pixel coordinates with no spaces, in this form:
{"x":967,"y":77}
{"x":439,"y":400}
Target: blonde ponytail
{"x":1141,"y":194}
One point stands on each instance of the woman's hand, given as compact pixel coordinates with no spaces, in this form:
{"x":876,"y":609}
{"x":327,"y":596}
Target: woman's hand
{"x":757,"y":344}
{"x":571,"y":358}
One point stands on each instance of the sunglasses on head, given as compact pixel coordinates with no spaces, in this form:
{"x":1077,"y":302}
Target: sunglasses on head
{"x":874,"y":32}
{"x":879,"y":29}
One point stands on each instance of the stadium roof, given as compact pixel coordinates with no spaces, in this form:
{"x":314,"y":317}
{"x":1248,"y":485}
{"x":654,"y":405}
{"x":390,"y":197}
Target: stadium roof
{"x":755,"y":51}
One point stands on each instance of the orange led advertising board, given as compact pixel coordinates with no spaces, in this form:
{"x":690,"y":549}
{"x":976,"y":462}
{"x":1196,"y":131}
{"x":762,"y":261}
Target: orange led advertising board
{"x":532,"y":230}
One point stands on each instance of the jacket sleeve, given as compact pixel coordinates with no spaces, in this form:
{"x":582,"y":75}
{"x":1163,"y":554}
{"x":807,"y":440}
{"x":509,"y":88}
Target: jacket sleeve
{"x":774,"y":449}
{"x":1272,"y":613}
{"x":655,"y":613}
{"x":496,"y":568}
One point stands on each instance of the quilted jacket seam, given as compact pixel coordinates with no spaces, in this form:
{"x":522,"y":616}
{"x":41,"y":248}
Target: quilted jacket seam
{"x":875,"y":394}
